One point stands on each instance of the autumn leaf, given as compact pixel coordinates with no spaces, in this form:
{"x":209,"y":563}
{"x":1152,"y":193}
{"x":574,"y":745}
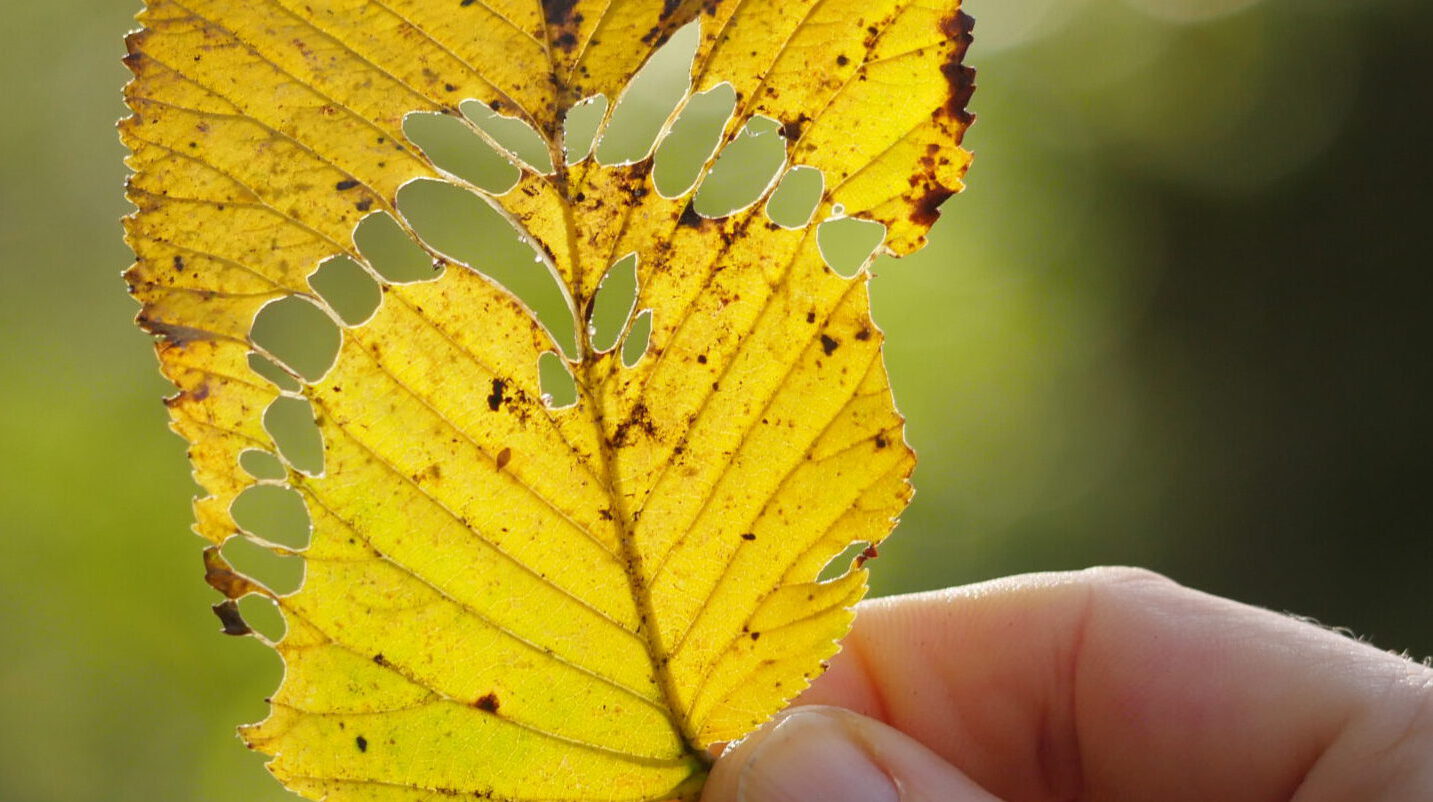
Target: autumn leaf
{"x":504,"y":596}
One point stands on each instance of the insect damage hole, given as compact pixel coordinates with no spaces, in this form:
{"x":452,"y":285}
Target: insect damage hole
{"x":646,"y":106}
{"x":613,"y":304}
{"x":461,"y":225}
{"x":515,"y":136}
{"x":268,"y":369}
{"x":392,"y":253}
{"x":263,"y":617}
{"x":844,"y":561}
{"x":579,"y":127}
{"x":298,"y":334}
{"x":744,"y":171}
{"x":639,"y":336}
{"x":261,"y":464}
{"x":290,"y":422}
{"x":281,"y":573}
{"x":347,"y":288}
{"x":555,"y":381}
{"x":274,"y":513}
{"x":692,"y":141}
{"x":848,"y":243}
{"x":796,"y":197}
{"x":454,"y":146}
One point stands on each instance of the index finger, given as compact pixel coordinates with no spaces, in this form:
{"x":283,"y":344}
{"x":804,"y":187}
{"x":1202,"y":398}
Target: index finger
{"x":1120,"y":684}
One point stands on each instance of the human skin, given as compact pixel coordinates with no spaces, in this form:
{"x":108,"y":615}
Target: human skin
{"x":1101,"y":685}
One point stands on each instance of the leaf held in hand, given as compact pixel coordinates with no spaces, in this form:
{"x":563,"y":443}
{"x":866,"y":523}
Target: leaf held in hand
{"x":508,"y":593}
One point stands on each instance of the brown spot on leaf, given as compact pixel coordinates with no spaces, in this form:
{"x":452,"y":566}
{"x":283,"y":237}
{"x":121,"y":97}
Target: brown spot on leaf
{"x":690,"y":217}
{"x":504,"y":457}
{"x":234,"y":624}
{"x":222,"y":577}
{"x":488,"y":702}
{"x":347,"y":183}
{"x":361,"y":743}
{"x":495,"y":398}
{"x":961,"y":79}
{"x":791,"y":129}
{"x":869,"y":554}
{"x":927,"y":207}
{"x":748,"y":536}
{"x":829,"y":344}
{"x":864,"y":334}
{"x":640,"y":419}
{"x":173,"y":333}
{"x":558,"y":12}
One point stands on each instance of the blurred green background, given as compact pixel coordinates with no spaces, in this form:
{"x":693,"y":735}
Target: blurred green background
{"x":1179,"y":319}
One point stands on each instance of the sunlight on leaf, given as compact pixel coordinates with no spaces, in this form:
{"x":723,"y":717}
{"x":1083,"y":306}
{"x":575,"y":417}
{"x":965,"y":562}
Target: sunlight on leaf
{"x":558,"y":535}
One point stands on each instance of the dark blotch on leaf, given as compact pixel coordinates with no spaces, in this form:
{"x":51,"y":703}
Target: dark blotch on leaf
{"x":829,"y":344}
{"x":488,"y":702}
{"x":347,"y":183}
{"x":690,"y":217}
{"x":228,"y":612}
{"x":362,"y":743}
{"x":558,"y":12}
{"x":960,"y":77}
{"x":495,"y":399}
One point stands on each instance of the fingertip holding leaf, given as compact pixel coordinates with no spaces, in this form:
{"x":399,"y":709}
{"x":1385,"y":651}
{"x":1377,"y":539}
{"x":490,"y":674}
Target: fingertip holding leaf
{"x":573,"y":441}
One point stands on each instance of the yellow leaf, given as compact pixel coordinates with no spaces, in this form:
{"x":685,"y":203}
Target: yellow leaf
{"x":502,"y":596}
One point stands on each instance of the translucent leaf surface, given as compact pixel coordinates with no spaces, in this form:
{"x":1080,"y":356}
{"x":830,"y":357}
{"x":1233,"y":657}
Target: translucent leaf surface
{"x":505,"y":595}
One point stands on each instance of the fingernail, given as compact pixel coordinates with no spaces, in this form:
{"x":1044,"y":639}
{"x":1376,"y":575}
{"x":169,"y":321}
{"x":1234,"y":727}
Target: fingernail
{"x":813,"y":755}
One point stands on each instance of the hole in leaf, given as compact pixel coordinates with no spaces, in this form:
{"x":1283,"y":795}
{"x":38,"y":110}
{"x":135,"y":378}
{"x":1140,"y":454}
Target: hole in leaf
{"x":462,"y":225}
{"x":744,"y":171}
{"x":265,"y":367}
{"x":298,"y":334}
{"x":347,"y":289}
{"x":263,"y":616}
{"x":513,"y":135}
{"x":693,"y":140}
{"x":261,"y":464}
{"x":639,"y":336}
{"x":454,"y":147}
{"x":290,"y":422}
{"x":838,"y":566}
{"x":647,"y":103}
{"x":391,"y":252}
{"x":612,"y":306}
{"x":847,"y":243}
{"x":796,"y":197}
{"x":281,"y":573}
{"x":555,"y":381}
{"x":579,"y":128}
{"x":274,"y":513}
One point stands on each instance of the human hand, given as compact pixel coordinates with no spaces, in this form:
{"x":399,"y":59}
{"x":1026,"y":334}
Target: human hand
{"x":1107,"y":684}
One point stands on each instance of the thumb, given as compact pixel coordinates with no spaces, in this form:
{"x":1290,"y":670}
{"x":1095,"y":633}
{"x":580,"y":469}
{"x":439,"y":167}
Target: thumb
{"x":834,"y":755}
